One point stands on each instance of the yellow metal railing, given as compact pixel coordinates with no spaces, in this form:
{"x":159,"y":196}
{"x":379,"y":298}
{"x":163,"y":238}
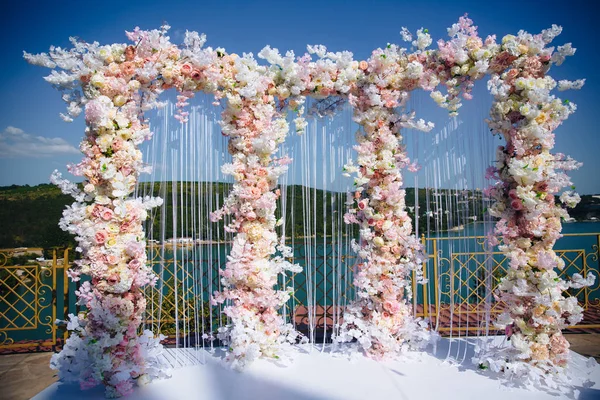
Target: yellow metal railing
{"x":462,"y":277}
{"x":28,"y":301}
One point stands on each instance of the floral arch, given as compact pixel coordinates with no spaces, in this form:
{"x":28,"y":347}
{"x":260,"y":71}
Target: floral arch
{"x":116,"y":83}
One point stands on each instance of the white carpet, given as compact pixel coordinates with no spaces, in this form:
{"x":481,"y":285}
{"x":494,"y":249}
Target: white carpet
{"x":316,"y":375}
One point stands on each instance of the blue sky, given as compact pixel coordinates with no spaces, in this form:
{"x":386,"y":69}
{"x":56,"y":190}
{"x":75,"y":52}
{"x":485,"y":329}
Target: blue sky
{"x":34,"y":140}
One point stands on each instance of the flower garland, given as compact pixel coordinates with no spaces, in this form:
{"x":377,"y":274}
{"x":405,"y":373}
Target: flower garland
{"x":526,"y":114}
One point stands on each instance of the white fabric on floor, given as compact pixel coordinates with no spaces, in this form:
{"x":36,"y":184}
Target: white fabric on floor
{"x":316,"y":375}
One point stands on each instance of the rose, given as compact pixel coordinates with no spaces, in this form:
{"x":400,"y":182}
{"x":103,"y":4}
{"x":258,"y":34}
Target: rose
{"x":362,"y":204}
{"x":107,"y":214}
{"x":135,"y":264}
{"x":100,"y":237}
{"x":186,"y":69}
{"x":112,"y":258}
{"x":517,"y":205}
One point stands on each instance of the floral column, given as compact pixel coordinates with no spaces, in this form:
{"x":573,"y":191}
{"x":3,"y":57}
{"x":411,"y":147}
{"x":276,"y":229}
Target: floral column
{"x":381,"y":317}
{"x":104,"y":347}
{"x":526,"y":201}
{"x":256,"y":329}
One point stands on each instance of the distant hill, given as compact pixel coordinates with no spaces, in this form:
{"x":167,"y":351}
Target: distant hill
{"x":29,"y":215}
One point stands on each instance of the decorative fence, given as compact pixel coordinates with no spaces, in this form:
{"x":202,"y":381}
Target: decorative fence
{"x":458,"y":297}
{"x":32,"y":297}
{"x":464,"y":275}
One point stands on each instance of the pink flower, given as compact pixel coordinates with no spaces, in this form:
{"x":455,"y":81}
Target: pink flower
{"x":350,"y":219}
{"x":88,"y":383}
{"x":186,"y":69}
{"x":107,"y":214}
{"x":134,"y":249}
{"x":124,"y":388}
{"x":101,"y":237}
{"x":113,"y":279}
{"x":392,"y":306}
{"x":516,"y":204}
{"x":391,"y":234}
{"x":117,"y":145}
{"x":126,"y":226}
{"x":135,"y":264}
{"x":559,"y":344}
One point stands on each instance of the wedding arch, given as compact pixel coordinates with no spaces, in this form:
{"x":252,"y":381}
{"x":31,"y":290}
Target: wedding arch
{"x":114,"y":84}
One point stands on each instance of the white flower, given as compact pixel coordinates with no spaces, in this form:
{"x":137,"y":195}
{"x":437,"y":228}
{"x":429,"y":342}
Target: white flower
{"x":570,"y":198}
{"x":414,"y":70}
{"x":578,"y":282}
{"x":406,"y":36}
{"x":566,"y":85}
{"x":423,"y":39}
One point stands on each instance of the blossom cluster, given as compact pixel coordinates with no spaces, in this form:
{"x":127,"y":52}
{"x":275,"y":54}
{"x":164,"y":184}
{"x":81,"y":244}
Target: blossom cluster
{"x":529,"y":178}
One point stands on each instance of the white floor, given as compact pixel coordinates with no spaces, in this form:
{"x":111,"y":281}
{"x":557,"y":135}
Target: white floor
{"x":316,"y":375}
